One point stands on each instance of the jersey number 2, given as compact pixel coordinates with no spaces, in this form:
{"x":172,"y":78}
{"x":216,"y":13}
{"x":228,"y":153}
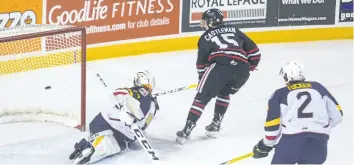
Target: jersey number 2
{"x":226,"y":38}
{"x":300,"y":113}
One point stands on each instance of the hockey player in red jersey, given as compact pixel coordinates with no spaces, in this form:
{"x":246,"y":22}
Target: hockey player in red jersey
{"x":110,"y":130}
{"x":225,"y":58}
{"x":302,"y":113}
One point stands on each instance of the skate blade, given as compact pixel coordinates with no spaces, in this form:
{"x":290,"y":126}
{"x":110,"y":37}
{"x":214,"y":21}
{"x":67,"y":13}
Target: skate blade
{"x":211,"y":134}
{"x":181,"y":140}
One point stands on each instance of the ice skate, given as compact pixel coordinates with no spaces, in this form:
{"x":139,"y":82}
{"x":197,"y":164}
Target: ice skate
{"x":213,"y":128}
{"x":183,"y":135}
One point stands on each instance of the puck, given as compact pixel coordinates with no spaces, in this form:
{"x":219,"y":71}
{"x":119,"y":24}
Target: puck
{"x":47,"y":87}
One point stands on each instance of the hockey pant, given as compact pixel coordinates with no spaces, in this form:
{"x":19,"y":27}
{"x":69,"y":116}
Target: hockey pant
{"x":218,"y":81}
{"x":99,"y":124}
{"x":302,"y":148}
{"x":222,"y":80}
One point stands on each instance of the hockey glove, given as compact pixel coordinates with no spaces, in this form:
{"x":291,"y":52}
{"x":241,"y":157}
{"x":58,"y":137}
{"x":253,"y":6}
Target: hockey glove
{"x":261,"y":150}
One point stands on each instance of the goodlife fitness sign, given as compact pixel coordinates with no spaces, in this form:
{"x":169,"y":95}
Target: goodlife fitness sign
{"x":233,"y":10}
{"x":112,"y":20}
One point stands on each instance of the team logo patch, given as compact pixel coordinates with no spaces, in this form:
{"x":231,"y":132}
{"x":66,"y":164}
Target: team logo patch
{"x":143,"y":92}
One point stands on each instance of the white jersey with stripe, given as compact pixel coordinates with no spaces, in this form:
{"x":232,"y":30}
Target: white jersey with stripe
{"x":140,"y":103}
{"x":301,"y":107}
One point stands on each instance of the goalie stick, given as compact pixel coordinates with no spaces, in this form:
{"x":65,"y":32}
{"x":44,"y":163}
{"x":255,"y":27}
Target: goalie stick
{"x":137,"y":132}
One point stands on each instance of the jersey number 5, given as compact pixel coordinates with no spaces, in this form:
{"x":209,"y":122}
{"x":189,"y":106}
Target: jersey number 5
{"x":300,"y":113}
{"x":226,"y":39}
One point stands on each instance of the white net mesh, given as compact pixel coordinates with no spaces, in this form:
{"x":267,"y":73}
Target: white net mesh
{"x":28,"y":66}
{"x":38,"y":52}
{"x":29,"y":29}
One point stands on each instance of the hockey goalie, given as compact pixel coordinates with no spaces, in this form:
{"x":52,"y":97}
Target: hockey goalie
{"x":110,"y":131}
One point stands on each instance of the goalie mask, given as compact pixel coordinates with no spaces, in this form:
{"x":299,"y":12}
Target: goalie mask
{"x":144,"y":79}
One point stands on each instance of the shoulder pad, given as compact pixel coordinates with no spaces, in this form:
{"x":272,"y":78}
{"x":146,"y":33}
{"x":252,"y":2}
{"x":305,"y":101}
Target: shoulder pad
{"x":123,"y":91}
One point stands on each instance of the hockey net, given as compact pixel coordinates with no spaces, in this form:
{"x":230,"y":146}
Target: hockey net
{"x":43,"y":74}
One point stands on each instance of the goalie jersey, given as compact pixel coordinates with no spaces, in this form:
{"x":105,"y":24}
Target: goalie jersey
{"x":141,"y":104}
{"x":301,"y":107}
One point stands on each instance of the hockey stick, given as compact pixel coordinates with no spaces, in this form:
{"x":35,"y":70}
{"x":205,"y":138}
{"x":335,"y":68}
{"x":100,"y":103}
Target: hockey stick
{"x":238,"y":158}
{"x":176,"y":90}
{"x":144,"y":142}
{"x":137,"y":132}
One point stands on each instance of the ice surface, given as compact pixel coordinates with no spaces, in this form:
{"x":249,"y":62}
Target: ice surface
{"x":330,"y":63}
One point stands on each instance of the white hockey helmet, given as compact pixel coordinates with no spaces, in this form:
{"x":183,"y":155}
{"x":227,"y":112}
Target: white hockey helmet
{"x":144,"y":79}
{"x":292,"y":71}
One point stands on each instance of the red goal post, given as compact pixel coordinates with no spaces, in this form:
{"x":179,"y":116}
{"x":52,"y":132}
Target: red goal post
{"x":43,"y":74}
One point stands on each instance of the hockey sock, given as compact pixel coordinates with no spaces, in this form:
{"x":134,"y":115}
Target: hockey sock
{"x":196,"y":110}
{"x":221,"y":105}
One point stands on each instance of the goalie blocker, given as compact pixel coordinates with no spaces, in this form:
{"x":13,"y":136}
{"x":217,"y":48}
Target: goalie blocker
{"x":112,"y":130}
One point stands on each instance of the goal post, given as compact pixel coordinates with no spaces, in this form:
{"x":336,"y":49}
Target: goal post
{"x":43,"y":74}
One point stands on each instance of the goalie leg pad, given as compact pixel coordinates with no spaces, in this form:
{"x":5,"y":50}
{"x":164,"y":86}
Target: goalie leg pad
{"x":95,"y":147}
{"x":104,"y":146}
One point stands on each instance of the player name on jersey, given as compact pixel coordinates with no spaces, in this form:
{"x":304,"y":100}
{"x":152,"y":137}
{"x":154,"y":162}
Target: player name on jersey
{"x":299,"y":86}
{"x":215,"y":32}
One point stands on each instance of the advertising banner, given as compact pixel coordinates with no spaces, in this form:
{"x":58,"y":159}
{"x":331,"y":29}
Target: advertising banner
{"x":113,"y":20}
{"x":346,"y":11}
{"x":306,"y":12}
{"x":20,"y":12}
{"x":242,"y":13}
